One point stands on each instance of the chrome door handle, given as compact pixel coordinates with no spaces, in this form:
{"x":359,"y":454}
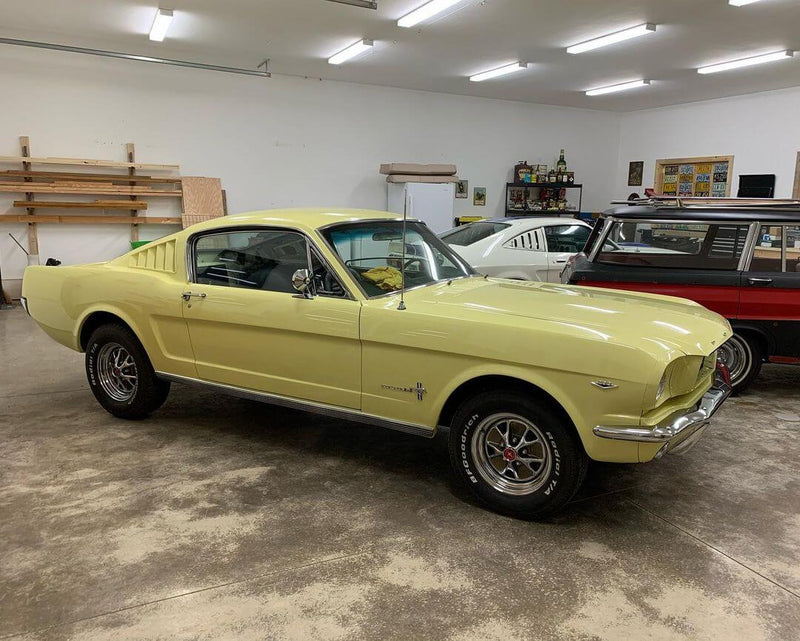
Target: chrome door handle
{"x":759,"y":281}
{"x":188,"y":295}
{"x":562,"y":261}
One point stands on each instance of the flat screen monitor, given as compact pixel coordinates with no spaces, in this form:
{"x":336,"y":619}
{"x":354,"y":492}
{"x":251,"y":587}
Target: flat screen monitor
{"x":757,"y":186}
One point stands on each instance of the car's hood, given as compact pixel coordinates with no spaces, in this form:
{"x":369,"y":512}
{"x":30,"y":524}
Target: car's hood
{"x":657,"y":324}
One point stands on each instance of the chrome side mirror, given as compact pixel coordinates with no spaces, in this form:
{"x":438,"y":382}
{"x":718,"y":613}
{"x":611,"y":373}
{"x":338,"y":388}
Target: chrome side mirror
{"x":301,"y":281}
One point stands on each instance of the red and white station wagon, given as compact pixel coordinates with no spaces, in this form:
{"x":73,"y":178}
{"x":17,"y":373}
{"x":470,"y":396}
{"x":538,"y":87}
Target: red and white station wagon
{"x":740,"y":258}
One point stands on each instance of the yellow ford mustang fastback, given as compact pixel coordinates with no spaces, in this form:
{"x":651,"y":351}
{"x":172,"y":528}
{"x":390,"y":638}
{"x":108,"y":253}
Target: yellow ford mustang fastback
{"x":359,"y":315}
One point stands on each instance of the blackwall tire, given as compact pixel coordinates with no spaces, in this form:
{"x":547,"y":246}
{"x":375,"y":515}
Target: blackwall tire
{"x":518,"y":455}
{"x":743,"y":355}
{"x":120,"y":374}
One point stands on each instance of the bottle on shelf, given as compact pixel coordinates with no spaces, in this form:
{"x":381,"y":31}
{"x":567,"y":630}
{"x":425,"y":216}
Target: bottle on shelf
{"x":561,"y":165}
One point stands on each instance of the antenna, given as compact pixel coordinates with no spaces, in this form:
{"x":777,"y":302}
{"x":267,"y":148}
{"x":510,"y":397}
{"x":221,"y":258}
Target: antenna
{"x":406,"y":206}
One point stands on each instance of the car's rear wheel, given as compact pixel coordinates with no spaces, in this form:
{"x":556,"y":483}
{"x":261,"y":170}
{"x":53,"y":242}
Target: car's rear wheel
{"x":743,"y":355}
{"x":519,"y":456}
{"x":120,"y":374}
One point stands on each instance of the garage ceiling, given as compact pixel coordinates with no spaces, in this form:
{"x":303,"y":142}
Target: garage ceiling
{"x":299,"y":35}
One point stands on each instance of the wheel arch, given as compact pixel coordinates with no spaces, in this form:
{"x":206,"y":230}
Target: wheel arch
{"x":98,"y":317}
{"x":766,"y":342}
{"x":490,"y":382}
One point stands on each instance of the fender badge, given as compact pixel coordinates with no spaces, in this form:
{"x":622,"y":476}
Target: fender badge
{"x":604,"y":384}
{"x":419,"y":389}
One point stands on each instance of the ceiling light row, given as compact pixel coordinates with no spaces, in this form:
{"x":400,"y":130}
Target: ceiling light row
{"x":725,"y":66}
{"x":163,"y":18}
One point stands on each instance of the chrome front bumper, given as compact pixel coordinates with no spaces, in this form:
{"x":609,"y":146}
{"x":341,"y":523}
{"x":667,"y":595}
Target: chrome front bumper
{"x":679,"y":434}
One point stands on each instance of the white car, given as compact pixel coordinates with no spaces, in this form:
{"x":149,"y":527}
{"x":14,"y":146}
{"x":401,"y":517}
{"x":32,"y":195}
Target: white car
{"x":527,"y":248}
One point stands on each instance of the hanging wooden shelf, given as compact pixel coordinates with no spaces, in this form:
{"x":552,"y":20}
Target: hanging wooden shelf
{"x":138,"y":205}
{"x":76,"y":188}
{"x":88,"y":162}
{"x":56,"y":176}
{"x":88,"y":220}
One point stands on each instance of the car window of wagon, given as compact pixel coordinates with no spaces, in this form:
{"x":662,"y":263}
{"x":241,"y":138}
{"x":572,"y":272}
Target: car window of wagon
{"x":777,"y":249}
{"x":469,"y":234}
{"x":373,"y":253}
{"x":638,"y":243}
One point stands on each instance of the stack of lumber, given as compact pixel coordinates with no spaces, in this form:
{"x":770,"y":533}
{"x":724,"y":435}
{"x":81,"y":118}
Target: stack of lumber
{"x":403,"y":172}
{"x":131,"y":189}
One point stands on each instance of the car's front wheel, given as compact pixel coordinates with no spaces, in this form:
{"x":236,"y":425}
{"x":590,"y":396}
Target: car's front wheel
{"x":743,"y":356}
{"x":518,"y":455}
{"x":120,"y":374}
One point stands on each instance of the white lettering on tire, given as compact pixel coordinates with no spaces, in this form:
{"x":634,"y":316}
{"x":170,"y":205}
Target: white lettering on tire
{"x":464,"y":458}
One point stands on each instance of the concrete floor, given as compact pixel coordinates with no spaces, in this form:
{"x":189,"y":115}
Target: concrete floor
{"x":220,"y":518}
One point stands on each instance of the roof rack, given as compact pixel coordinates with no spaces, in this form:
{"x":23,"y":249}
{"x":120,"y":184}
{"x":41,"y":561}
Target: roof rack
{"x":695,"y":202}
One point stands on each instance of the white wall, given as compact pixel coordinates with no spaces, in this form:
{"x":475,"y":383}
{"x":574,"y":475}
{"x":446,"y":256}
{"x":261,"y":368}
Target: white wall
{"x":761,"y":131}
{"x":275,"y":143}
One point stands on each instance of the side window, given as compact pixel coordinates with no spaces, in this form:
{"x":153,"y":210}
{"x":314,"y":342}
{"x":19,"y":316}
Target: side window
{"x":324,"y":282}
{"x":526,"y":240}
{"x":250,"y":259}
{"x":792,"y":248}
{"x":767,"y":255}
{"x":566,"y":238}
{"x":675,"y":245}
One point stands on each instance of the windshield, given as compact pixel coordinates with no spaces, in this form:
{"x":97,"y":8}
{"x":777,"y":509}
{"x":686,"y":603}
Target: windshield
{"x":373,"y":253}
{"x":468,"y":234}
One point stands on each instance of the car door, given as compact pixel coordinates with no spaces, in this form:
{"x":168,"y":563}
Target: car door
{"x":250,"y":329}
{"x":563,"y":241}
{"x":770,"y":287}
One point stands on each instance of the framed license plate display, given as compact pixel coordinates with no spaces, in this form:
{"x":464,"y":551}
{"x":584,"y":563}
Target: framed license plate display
{"x":708,"y":176}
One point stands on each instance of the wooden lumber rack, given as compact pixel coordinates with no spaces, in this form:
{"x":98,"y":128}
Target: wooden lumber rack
{"x":117,"y":192}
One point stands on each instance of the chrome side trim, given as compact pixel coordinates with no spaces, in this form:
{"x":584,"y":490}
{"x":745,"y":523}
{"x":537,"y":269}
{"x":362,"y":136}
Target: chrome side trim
{"x":305,"y":406}
{"x":677,"y":432}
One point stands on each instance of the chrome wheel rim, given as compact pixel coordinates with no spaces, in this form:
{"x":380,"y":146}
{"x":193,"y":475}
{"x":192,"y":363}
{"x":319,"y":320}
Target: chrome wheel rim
{"x":511,"y":454}
{"x":116,"y":371}
{"x":736,"y":354}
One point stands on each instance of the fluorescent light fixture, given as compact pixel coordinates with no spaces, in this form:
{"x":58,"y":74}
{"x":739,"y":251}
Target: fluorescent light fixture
{"x":612,"y":38}
{"x":747,"y":62}
{"x":428,"y":10}
{"x":614,"y":88}
{"x":500,"y":71}
{"x":741,"y":3}
{"x":355,"y":49}
{"x":160,"y":24}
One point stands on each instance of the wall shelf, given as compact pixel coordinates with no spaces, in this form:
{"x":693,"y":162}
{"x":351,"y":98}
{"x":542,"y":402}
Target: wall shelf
{"x":138,"y":205}
{"x":89,"y":220}
{"x":87,"y":162}
{"x":521,"y":198}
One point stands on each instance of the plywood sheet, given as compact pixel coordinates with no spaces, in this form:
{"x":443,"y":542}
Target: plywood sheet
{"x":202,"y":199}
